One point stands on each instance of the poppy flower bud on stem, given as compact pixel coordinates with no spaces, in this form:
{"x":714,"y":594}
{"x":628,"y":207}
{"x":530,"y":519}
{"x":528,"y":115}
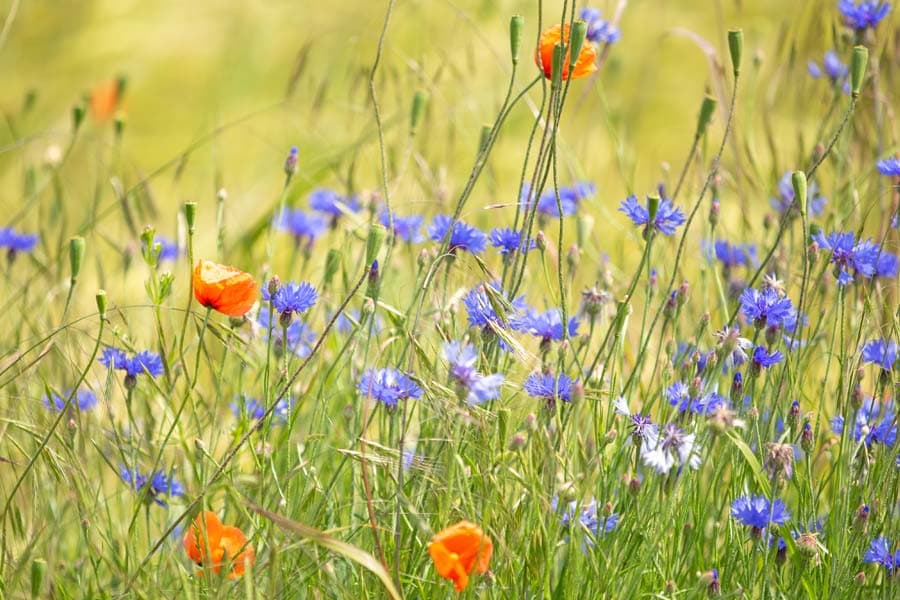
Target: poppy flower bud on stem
{"x":707,"y":108}
{"x":101,"y":303}
{"x":556,"y":69}
{"x":190,"y":216}
{"x":858,"y":69}
{"x":484,"y":139}
{"x":78,"y":116}
{"x":516,"y":23}
{"x":373,"y":243}
{"x":38,"y":568}
{"x":736,"y":49}
{"x":76,"y":257}
{"x":420,"y":99}
{"x":579,"y":33}
{"x":798,"y":181}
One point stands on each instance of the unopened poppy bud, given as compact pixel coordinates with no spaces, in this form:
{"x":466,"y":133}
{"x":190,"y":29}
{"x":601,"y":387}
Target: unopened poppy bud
{"x":190,"y":216}
{"x":78,"y":116}
{"x":540,"y":241}
{"x":484,"y":139}
{"x":291,"y":163}
{"x":101,"y":303}
{"x":420,"y":99}
{"x":576,"y":41}
{"x":373,"y":243}
{"x":38,"y":569}
{"x":736,"y":49}
{"x":76,"y":257}
{"x":652,"y":207}
{"x":714,"y":210}
{"x":707,"y":108}
{"x":858,"y":69}
{"x":798,"y":181}
{"x":516,"y":24}
{"x":556,"y":69}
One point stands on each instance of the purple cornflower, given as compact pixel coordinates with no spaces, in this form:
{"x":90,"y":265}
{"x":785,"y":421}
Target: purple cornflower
{"x":462,"y":237}
{"x":83,"y":400}
{"x":890,"y":166}
{"x":388,"y":386}
{"x":731,"y":255}
{"x":847,"y":255}
{"x":887,"y":265}
{"x":763,"y":359}
{"x":157,"y":484}
{"x":291,"y":162}
{"x":679,"y":395}
{"x":168,"y":249}
{"x":598,"y":30}
{"x":587,"y":517}
{"x":300,"y":337}
{"x":331,"y":203}
{"x":880,"y":352}
{"x":548,"y":387}
{"x":668,"y":447}
{"x":405,"y":228}
{"x":293,"y":297}
{"x":757,"y":512}
{"x":667,"y":218}
{"x":569,"y":198}
{"x":879,"y":553}
{"x":17,"y":242}
{"x":642,"y":427}
{"x":305,"y":227}
{"x":831,"y":66}
{"x":874,"y":422}
{"x":766,"y":308}
{"x":474,"y":387}
{"x":481,"y":312}
{"x":785,"y":200}
{"x":867,"y":14}
{"x":546,"y":325}
{"x":509,"y":241}
{"x":142,"y":362}
{"x":254,"y":409}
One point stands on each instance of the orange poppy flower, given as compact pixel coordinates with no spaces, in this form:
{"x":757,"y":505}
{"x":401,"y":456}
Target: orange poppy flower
{"x":460,"y":550}
{"x":225,"y":289}
{"x":218,"y":545}
{"x":543,"y":56}
{"x":105,"y":100}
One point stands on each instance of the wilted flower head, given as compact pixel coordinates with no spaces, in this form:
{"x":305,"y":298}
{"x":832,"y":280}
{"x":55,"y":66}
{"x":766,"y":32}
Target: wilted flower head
{"x":388,"y":386}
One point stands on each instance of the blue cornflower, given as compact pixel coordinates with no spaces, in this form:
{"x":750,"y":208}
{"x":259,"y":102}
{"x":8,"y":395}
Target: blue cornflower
{"x":587,"y":518}
{"x":879,"y":553}
{"x":732,"y":255}
{"x":757,"y":512}
{"x":462,"y":237}
{"x":763,"y":359}
{"x":642,"y":427}
{"x":481,"y":312}
{"x":388,"y":386}
{"x":331,"y":203}
{"x":785,"y":200}
{"x":157,"y":484}
{"x":598,"y":30}
{"x":847,"y":255}
{"x":303,"y":226}
{"x":668,"y":447}
{"x":766,"y":308}
{"x":569,"y":198}
{"x":889,"y":166}
{"x":474,"y":387}
{"x":142,"y":362}
{"x":880,"y":352}
{"x":668,"y":216}
{"x":168,"y":249}
{"x":300,"y":336}
{"x":546,"y":325}
{"x":832,"y":67}
{"x":678,"y":394}
{"x":84,"y":400}
{"x":254,"y":409}
{"x":293,"y":297}
{"x":887,"y":266}
{"x":548,"y":387}
{"x":17,"y":242}
{"x":874,"y":421}
{"x":405,"y":228}
{"x":867,"y":14}
{"x":509,"y":241}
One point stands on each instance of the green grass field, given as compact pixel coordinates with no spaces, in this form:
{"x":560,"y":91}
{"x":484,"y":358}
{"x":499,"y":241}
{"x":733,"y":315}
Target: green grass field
{"x":718,"y":418}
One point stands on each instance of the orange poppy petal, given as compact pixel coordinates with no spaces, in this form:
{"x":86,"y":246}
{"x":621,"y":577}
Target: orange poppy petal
{"x":225,"y":289}
{"x":208,"y":524}
{"x":448,"y":565}
{"x":460,"y":550}
{"x":543,"y":55}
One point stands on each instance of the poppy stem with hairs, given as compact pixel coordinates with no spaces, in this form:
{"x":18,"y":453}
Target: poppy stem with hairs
{"x":229,"y":457}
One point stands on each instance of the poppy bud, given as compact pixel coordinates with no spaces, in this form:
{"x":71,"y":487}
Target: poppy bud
{"x":420,"y":99}
{"x":556,"y":70}
{"x":119,"y":125}
{"x":101,"y":303}
{"x":576,"y":41}
{"x":76,"y":257}
{"x":652,"y":207}
{"x":736,"y":49}
{"x":798,"y":181}
{"x":373,"y":243}
{"x":78,"y":116}
{"x":515,"y":36}
{"x":38,"y":568}
{"x":707,"y":108}
{"x":484,"y":139}
{"x":368,"y":307}
{"x":190,"y":216}
{"x":858,"y":69}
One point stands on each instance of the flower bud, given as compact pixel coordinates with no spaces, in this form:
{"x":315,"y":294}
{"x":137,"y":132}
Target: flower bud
{"x":77,"y":116}
{"x":736,"y":49}
{"x":858,"y":69}
{"x":572,"y":258}
{"x":793,"y":417}
{"x":518,"y":441}
{"x":190,"y":216}
{"x":373,"y":243}
{"x":807,"y":438}
{"x":515,"y":37}
{"x":101,"y":303}
{"x":714,"y":210}
{"x":707,"y":108}
{"x":557,"y":65}
{"x":420,"y":99}
{"x":292,"y":161}
{"x":576,"y":42}
{"x":38,"y":569}
{"x":798,"y":181}
{"x":540,"y":241}
{"x":484,"y":139}
{"x":76,"y":257}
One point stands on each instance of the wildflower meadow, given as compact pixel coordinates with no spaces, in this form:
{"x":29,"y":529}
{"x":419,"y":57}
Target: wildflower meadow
{"x":427,"y":299}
